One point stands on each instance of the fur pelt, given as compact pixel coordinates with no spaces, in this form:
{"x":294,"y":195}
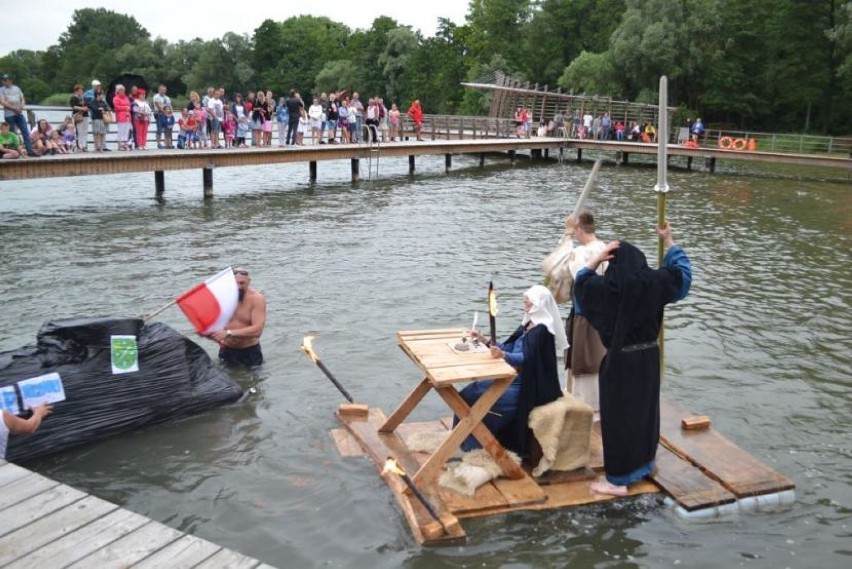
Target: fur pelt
{"x":563,"y":430}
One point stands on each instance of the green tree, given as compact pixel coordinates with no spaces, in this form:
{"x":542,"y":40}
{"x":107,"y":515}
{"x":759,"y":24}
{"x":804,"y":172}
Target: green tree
{"x":337,"y":75}
{"x":307,"y":43}
{"x":497,"y":27}
{"x":394,"y":61}
{"x":592,"y":73}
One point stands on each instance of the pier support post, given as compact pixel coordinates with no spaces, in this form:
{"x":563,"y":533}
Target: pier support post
{"x":547,"y":154}
{"x":207,"y":181}
{"x":482,"y":160}
{"x":625,"y":158}
{"x":710,"y":164}
{"x":579,"y":155}
{"x":512,"y":157}
{"x":689,"y":162}
{"x":356,"y":170}
{"x":448,"y":162}
{"x":411,"y":163}
{"x":312,"y":170}
{"x":159,"y":183}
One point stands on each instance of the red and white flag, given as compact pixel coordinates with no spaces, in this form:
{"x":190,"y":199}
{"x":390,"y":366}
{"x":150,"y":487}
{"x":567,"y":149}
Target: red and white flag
{"x":210,"y":305}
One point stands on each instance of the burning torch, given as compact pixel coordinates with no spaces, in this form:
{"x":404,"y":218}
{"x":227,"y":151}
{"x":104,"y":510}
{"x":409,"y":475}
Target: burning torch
{"x":351,"y":408}
{"x":492,"y":312}
{"x":393,"y":467}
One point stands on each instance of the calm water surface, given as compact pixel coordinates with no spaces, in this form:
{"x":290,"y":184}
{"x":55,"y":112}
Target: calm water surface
{"x":762,"y":345}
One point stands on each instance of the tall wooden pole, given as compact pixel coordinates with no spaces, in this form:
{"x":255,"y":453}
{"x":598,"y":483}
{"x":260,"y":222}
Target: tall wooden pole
{"x":662,"y":189}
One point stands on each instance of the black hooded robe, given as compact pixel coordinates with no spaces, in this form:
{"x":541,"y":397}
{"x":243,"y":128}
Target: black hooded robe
{"x":539,"y":384}
{"x":625,"y":305}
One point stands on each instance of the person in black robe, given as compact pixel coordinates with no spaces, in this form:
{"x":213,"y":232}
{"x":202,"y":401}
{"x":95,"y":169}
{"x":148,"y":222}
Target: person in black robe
{"x":625,"y":305}
{"x":531,"y":349}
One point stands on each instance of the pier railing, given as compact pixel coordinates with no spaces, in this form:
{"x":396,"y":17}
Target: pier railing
{"x":458,"y":127}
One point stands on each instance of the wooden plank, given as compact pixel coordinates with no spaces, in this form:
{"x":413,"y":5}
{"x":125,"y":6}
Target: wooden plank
{"x":563,"y":476}
{"x":520,"y":492}
{"x":686,"y":484}
{"x":78,"y":544}
{"x":347,"y":445}
{"x":736,"y":469}
{"x":227,"y":559}
{"x":487,"y":497}
{"x":407,"y":406}
{"x":24,"y":488}
{"x":418,"y":518}
{"x":129,"y":549}
{"x":418,"y":334}
{"x":184,"y":553}
{"x":473,"y":372}
{"x":11,"y":472}
{"x":50,"y":528}
{"x":38,"y":506}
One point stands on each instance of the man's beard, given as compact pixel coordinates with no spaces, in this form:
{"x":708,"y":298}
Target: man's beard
{"x":242,"y":295}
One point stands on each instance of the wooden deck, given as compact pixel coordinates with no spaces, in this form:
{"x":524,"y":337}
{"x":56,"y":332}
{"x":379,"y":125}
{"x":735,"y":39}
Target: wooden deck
{"x":698,"y":469}
{"x":47,"y":524}
{"x":158,"y":161}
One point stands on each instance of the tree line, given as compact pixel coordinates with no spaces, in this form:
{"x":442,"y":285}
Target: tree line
{"x":776,"y":65}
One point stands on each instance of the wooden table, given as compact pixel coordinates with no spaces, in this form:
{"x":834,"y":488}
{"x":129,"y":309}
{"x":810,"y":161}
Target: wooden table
{"x":444,"y":367}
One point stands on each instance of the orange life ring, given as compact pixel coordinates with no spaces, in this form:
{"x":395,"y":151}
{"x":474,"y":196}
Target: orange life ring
{"x":739,"y":144}
{"x":725,"y":142}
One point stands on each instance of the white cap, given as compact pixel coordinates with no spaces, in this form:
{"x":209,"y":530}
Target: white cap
{"x":95,"y":82}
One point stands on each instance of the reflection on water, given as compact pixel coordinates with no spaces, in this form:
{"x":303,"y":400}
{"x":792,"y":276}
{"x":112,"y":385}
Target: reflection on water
{"x":762,"y":345}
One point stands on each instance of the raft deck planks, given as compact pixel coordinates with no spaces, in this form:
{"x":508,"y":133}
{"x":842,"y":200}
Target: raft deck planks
{"x":46,"y":524}
{"x":735,"y":469}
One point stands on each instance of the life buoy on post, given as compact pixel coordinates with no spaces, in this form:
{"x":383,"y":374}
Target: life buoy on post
{"x":739,"y":144}
{"x":752,"y":144}
{"x":725,"y":142}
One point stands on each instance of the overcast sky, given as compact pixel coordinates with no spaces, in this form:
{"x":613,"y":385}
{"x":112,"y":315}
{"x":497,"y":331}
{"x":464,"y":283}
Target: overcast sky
{"x":37,"y":24}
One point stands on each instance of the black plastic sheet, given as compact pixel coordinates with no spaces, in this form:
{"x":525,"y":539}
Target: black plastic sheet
{"x":176,"y":379}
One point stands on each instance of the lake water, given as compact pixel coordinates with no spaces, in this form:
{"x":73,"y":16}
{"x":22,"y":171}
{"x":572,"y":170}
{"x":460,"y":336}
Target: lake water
{"x":762,"y":344}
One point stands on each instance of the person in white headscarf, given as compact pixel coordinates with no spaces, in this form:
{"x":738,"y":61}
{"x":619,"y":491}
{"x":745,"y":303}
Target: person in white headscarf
{"x":532,"y":350}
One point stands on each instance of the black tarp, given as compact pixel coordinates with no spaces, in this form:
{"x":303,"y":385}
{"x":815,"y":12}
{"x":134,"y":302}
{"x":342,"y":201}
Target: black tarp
{"x":176,"y":378}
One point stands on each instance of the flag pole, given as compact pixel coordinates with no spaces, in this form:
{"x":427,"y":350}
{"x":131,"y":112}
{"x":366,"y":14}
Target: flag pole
{"x":586,"y":189}
{"x":150,"y":316}
{"x":662,"y":189}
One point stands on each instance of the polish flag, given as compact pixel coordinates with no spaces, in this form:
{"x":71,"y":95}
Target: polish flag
{"x":210,"y":305}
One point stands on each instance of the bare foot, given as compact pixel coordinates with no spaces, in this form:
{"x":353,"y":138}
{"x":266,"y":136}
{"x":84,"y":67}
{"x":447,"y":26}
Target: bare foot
{"x":602,"y":486}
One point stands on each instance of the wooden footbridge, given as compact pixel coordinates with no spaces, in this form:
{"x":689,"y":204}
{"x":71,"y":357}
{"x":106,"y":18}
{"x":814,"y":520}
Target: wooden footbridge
{"x":47,"y":524}
{"x":444,"y":135}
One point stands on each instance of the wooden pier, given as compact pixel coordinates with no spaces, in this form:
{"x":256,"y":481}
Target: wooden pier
{"x":47,"y":524}
{"x":454,"y":142}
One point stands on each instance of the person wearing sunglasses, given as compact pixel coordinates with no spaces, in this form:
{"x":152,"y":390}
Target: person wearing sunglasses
{"x":239,"y":341}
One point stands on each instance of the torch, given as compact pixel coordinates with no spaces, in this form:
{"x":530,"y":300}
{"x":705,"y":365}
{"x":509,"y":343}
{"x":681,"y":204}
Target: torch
{"x":351,"y":408}
{"x":393,"y":467}
{"x":492,"y":312}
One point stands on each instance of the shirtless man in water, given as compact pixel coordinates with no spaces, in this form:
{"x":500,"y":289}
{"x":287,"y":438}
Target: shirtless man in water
{"x":239,"y":342}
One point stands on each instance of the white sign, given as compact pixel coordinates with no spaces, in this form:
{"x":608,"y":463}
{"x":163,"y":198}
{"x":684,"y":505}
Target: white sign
{"x":42,"y":389}
{"x":9,"y":399}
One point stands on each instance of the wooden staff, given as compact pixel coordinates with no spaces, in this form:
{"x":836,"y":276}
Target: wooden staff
{"x":586,"y":189}
{"x":662,"y":189}
{"x":150,"y":316}
{"x":306,"y":347}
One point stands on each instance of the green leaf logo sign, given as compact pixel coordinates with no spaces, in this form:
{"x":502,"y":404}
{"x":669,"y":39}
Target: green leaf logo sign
{"x":125,"y":354}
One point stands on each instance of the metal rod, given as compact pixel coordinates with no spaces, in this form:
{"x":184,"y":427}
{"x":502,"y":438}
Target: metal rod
{"x":416,"y":491}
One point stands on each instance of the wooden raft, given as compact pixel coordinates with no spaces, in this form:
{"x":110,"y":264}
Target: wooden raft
{"x":698,"y":469}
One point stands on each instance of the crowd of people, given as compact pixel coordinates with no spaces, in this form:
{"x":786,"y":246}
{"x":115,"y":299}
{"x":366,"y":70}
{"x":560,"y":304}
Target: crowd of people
{"x":211,"y":120}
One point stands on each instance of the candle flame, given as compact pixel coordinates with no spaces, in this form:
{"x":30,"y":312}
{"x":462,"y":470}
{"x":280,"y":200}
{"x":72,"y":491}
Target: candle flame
{"x":492,"y":301}
{"x":306,"y":347}
{"x":392,"y":466}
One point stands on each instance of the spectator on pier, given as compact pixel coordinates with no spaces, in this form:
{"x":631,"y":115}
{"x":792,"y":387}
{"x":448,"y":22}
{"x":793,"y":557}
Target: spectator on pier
{"x":9,"y":143}
{"x":12,"y":424}
{"x":166,"y":124}
{"x":625,"y":306}
{"x":42,"y":140}
{"x":270,"y":115}
{"x":606,"y":127}
{"x":97,"y":107}
{"x":239,"y":341}
{"x":258,"y":118}
{"x":575,"y":125}
{"x":343,"y":120}
{"x":141,"y":119}
{"x":294,"y":107}
{"x":394,"y":120}
{"x":597,"y":125}
{"x":122,"y":106}
{"x":13,"y":101}
{"x":532,"y":350}
{"x":651,"y":132}
{"x":215,"y":115}
{"x":229,"y":128}
{"x":588,"y":119}
{"x":315,"y":117}
{"x":80,"y":112}
{"x":415,"y":111}
{"x":384,"y":127}
{"x":68,"y":135}
{"x":160,"y":102}
{"x":619,"y":131}
{"x":332,"y":117}
{"x":697,"y":130}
